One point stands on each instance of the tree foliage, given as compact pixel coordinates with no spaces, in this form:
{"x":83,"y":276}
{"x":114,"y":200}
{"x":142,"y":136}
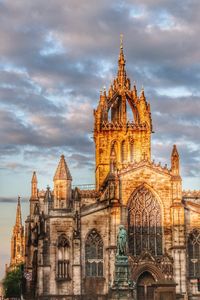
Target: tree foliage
{"x":12,"y":283}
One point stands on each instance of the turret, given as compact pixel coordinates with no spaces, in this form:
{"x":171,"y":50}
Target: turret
{"x":62,"y":185}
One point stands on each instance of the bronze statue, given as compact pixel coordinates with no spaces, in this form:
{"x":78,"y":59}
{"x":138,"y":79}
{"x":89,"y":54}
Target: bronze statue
{"x":122,"y":241}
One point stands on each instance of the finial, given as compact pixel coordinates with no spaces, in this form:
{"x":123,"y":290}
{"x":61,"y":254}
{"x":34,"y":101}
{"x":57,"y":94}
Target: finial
{"x":18,"y":199}
{"x":121,"y":41}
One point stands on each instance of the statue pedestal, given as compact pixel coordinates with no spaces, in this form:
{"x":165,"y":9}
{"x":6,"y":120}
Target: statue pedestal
{"x":123,"y":288}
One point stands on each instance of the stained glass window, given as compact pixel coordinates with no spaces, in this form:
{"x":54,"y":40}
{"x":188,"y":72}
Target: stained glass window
{"x":145,"y":225}
{"x":94,"y":254}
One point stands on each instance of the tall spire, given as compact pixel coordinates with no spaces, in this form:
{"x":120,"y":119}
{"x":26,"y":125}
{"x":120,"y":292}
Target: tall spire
{"x":17,"y":241}
{"x":62,"y":172}
{"x":121,"y":75}
{"x":18,"y":214}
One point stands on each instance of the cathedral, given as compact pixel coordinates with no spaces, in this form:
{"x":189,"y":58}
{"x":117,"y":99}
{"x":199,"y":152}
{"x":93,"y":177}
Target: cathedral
{"x":71,"y":233}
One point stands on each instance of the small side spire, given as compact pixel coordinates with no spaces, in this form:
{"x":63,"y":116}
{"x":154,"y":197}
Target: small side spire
{"x":62,"y":185}
{"x":62,"y":172}
{"x":175,"y":161}
{"x":34,"y":190}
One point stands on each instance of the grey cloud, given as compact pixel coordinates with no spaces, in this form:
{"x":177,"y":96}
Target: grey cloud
{"x":12,"y":200}
{"x":46,"y":101}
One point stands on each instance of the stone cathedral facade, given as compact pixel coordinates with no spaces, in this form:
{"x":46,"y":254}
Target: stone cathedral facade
{"x":71,"y":232}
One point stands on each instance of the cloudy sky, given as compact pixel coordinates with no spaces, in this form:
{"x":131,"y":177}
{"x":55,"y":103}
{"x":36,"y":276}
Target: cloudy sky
{"x":55,"y":57}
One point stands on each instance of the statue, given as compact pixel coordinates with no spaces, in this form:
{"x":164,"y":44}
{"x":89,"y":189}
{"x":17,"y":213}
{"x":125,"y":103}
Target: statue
{"x":121,"y":241}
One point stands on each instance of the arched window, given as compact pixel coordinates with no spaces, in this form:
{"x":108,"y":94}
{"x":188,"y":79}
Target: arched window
{"x":194,"y":253}
{"x":94,"y":254}
{"x":63,"y":258}
{"x":123,"y":151}
{"x":144,"y":223}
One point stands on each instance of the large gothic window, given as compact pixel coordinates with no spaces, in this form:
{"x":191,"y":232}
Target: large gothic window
{"x":194,"y":253}
{"x":94,"y":254}
{"x":63,"y":258}
{"x":144,"y":218}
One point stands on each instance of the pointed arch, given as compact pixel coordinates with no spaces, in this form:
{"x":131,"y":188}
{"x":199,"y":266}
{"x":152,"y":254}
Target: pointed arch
{"x":93,"y":254}
{"x":63,"y":257}
{"x":144,"y":222}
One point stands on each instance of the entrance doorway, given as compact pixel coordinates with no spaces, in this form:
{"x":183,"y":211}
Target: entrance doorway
{"x":145,"y":290}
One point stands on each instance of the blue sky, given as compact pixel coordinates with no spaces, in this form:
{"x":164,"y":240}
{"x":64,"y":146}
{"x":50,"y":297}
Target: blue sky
{"x":55,"y":57}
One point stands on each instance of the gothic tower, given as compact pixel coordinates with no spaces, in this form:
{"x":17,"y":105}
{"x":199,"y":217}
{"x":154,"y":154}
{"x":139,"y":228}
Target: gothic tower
{"x":17,"y":241}
{"x":122,"y":125}
{"x":62,"y":185}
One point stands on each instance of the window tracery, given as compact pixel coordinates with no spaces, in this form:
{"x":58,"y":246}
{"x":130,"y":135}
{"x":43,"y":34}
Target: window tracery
{"x":194,"y":253}
{"x":63,"y":258}
{"x":94,"y":255}
{"x":145,"y":223}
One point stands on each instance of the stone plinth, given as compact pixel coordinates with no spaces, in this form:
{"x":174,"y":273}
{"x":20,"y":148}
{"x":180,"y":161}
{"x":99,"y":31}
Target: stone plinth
{"x":123,"y":288}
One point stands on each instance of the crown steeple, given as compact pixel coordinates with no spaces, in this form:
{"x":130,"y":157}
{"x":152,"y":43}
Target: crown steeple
{"x":122,"y":123}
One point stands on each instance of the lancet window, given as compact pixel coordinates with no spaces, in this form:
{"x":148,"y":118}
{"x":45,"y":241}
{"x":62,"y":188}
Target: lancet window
{"x":194,"y":253}
{"x":63,"y":257}
{"x":94,"y":255}
{"x":145,"y":223}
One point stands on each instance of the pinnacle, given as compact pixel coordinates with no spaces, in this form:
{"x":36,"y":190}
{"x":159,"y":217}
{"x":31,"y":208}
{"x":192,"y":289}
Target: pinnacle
{"x":62,"y":172}
{"x":34,"y":177}
{"x":175,"y":151}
